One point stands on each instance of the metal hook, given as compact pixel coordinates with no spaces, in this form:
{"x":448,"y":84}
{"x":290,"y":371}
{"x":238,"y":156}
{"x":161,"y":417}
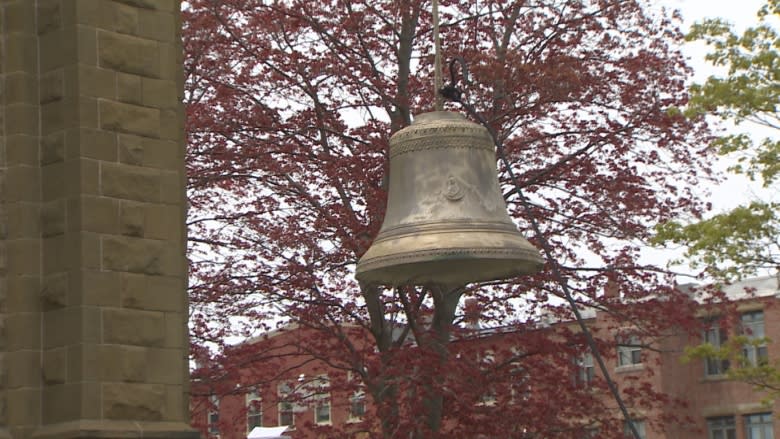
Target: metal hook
{"x":463,"y":68}
{"x":451,"y":90}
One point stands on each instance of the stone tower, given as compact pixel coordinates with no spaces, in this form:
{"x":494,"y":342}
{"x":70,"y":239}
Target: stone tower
{"x":93,"y":304}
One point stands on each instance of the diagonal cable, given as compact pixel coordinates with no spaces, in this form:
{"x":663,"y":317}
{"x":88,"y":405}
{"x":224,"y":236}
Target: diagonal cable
{"x":452,"y":93}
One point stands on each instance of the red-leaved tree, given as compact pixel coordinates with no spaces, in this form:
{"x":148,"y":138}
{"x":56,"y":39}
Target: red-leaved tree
{"x":290,"y":106}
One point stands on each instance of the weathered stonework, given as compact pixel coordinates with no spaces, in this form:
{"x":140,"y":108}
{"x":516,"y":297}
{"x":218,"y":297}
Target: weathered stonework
{"x":137,"y":255}
{"x":143,"y":402}
{"x":129,"y":118}
{"x":123,"y":363}
{"x":128,"y":54}
{"x":133,"y":327}
{"x":130,"y":182}
{"x":54,"y":291}
{"x":55,"y":366}
{"x":93,"y":338}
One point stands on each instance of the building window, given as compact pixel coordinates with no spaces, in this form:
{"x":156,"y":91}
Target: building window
{"x":322,"y":412}
{"x":286,"y":414}
{"x":521,"y":383}
{"x":254,"y":410}
{"x":285,"y":406}
{"x":639,"y":426}
{"x":321,"y":395}
{"x":759,"y":426}
{"x":357,"y":402}
{"x":213,"y":415}
{"x":486,"y":364}
{"x":585,"y":369}
{"x":716,"y":336}
{"x":722,"y":427}
{"x":629,"y":351}
{"x":755,"y":351}
{"x":357,"y":406}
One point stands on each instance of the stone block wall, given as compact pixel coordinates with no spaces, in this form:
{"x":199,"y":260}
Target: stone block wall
{"x":92,"y":238}
{"x":20,"y":211}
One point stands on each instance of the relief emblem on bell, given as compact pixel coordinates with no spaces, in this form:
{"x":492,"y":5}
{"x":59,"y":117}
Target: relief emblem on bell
{"x":446,"y":221}
{"x":453,"y":190}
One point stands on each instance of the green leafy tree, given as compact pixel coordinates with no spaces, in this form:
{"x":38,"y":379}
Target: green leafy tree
{"x":746,"y":239}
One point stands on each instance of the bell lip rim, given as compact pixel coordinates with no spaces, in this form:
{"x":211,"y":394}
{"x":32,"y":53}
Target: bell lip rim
{"x":373,"y":276}
{"x":455,"y":253}
{"x":401,"y":230}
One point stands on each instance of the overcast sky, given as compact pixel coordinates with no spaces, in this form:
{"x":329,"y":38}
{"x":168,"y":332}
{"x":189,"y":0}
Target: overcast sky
{"x":741,"y":13}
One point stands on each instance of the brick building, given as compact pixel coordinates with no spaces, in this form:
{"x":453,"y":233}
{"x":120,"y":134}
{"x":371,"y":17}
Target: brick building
{"x":715,"y":407}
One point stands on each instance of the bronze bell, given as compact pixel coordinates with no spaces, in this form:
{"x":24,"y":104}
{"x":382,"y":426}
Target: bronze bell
{"x":446,"y":222}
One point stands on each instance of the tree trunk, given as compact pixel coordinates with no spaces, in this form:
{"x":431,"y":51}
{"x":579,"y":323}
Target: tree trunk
{"x":445,"y":301}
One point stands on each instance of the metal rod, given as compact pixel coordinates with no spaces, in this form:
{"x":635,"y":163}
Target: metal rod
{"x":438,"y":82}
